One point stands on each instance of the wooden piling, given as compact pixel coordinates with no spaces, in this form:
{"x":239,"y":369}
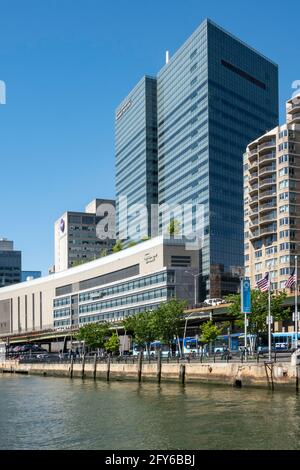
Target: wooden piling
{"x":182,"y":374}
{"x":83,"y":364}
{"x":108,"y":368}
{"x":95,"y":367}
{"x":140,"y":362}
{"x":159,"y":367}
{"x":71,"y":367}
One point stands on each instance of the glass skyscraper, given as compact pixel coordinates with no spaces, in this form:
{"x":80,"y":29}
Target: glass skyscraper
{"x":136,"y":157}
{"x":214,"y":96}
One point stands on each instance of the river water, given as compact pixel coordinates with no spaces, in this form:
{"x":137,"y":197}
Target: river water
{"x":58,"y":413}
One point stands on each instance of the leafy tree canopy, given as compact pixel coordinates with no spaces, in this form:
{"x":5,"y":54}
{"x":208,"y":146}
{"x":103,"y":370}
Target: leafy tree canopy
{"x":79,"y":262}
{"x":118,"y":246}
{"x":112,"y":345}
{"x":209,"y":332}
{"x":162,"y":324}
{"x":142,"y":326}
{"x":168,"y":319}
{"x":174,"y":227}
{"x":259,"y":303}
{"x":94,"y":334}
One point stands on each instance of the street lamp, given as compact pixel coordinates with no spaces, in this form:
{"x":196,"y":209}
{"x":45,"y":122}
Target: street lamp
{"x":195,"y":285}
{"x":185,"y":328}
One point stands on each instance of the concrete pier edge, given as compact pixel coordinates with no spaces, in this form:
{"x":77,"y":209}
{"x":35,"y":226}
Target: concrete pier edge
{"x":284,"y":375}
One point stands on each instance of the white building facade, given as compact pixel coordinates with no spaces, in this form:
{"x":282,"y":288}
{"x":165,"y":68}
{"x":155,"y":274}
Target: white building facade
{"x":107,"y":289}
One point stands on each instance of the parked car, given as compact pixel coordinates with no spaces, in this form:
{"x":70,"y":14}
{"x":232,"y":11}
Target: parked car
{"x":213,"y":302}
{"x":48,"y":357}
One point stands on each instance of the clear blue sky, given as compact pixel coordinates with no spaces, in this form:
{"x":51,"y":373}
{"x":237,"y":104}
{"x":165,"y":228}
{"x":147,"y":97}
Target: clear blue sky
{"x":67,"y":64}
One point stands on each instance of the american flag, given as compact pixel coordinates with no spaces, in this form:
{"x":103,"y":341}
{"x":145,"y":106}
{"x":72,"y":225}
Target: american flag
{"x":264,"y":283}
{"x":291,"y":280}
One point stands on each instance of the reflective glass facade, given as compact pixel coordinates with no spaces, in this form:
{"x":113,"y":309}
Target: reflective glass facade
{"x":214,"y":96}
{"x":117,"y":301}
{"x":136,"y":155}
{"x":10,"y":267}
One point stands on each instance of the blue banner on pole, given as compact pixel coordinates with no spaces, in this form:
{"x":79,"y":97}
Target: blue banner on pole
{"x":245,"y":295}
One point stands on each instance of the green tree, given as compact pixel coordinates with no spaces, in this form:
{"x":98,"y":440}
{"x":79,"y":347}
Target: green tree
{"x":174,"y":227}
{"x":168,"y":320}
{"x":132,"y":243}
{"x":94,"y":334}
{"x":103,"y":253}
{"x":259,"y":303}
{"x":142,"y":326}
{"x":164,"y":324}
{"x":118,"y":246}
{"x":112,"y":344}
{"x":209,"y":332}
{"x":129,"y":324}
{"x":79,"y":262}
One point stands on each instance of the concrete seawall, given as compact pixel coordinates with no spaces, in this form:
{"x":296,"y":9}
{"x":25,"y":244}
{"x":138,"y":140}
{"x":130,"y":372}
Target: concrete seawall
{"x":234,"y":374}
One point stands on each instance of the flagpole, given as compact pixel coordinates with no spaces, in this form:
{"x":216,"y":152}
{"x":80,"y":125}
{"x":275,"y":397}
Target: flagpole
{"x":245,"y":319}
{"x":296,"y":301}
{"x":269,"y":319}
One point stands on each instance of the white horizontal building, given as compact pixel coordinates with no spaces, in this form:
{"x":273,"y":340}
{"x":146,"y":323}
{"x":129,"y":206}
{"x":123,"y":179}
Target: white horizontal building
{"x":107,"y":289}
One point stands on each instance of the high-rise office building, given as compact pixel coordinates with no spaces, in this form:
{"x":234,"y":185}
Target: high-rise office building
{"x":76,"y":237}
{"x":10,"y":263}
{"x":214,"y":96}
{"x":272,"y":201}
{"x":136,"y":158}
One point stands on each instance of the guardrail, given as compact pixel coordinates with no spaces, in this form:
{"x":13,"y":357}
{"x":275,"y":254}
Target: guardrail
{"x":226,"y":356}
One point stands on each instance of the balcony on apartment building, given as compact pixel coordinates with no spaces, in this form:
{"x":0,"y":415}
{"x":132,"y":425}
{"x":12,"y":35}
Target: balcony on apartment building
{"x":267,"y":194}
{"x":268,"y":206}
{"x":267,"y":158}
{"x":267,"y":169}
{"x":266,"y":143}
{"x":267,"y":218}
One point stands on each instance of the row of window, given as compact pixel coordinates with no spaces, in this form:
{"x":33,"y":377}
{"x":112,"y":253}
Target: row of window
{"x":273,"y":275}
{"x":286,"y":171}
{"x":287,"y":208}
{"x":9,"y":268}
{"x":61,"y":302}
{"x":287,"y":184}
{"x":59,"y":323}
{"x":273,"y":249}
{"x":286,"y":133}
{"x":64,"y":312}
{"x":286,"y":271}
{"x":271,"y":263}
{"x":287,"y":221}
{"x":286,"y":146}
{"x":285,"y":196}
{"x":288,"y":234}
{"x":130,"y":299}
{"x":115,"y":315}
{"x":127,"y":286}
{"x":286,"y":158}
